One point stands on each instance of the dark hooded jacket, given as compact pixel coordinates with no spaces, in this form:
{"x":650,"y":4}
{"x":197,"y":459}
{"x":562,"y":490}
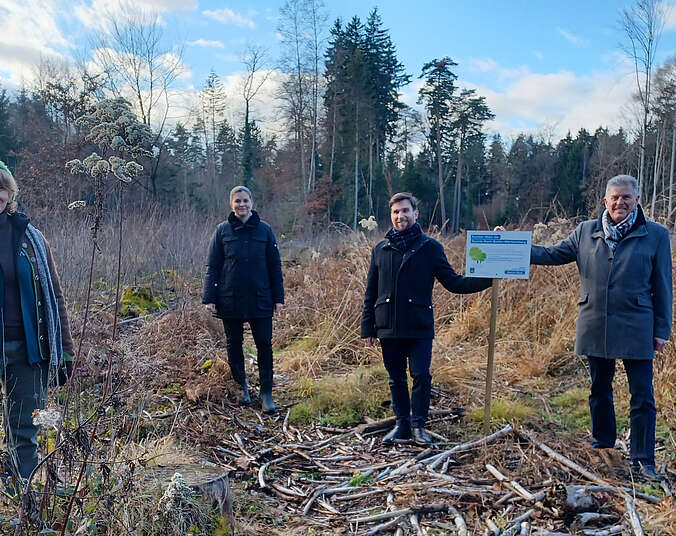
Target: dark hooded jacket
{"x":244,"y":271}
{"x":398,"y":297}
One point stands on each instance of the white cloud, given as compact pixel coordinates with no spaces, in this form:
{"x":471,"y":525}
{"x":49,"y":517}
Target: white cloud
{"x":555,"y":103}
{"x":230,"y":16}
{"x":29,"y":32}
{"x":570,"y":36}
{"x":205,"y":43}
{"x":559,"y":102}
{"x":539,"y":55}
{"x":489,"y":65}
{"x":95,"y":13}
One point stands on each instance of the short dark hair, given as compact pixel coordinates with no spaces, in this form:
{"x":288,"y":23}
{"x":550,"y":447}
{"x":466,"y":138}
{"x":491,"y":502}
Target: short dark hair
{"x":403,"y":196}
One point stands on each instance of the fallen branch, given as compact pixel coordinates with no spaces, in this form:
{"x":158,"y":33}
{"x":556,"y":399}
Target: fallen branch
{"x":634,"y":518}
{"x":565,"y":461}
{"x":459,"y":521}
{"x":434,"y":461}
{"x":511,"y":484}
{"x":422,"y":509}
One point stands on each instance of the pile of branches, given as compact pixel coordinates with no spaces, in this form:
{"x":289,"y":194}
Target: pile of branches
{"x":506,"y":483}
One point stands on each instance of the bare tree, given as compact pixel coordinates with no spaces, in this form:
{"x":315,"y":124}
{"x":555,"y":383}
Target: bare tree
{"x":139,"y":66}
{"x":642,"y":24}
{"x":253,"y":59}
{"x":301,"y":26}
{"x":137,"y":62}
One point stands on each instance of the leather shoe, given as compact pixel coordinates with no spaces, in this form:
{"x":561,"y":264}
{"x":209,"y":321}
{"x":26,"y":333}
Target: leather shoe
{"x":398,"y":433}
{"x":420,"y":437}
{"x":648,"y":472}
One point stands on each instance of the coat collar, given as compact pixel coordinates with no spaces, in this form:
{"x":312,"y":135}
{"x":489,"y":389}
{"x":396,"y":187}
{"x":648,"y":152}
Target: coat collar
{"x":251,"y":223}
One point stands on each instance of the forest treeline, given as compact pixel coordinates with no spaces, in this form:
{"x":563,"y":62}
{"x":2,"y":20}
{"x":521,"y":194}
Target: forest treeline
{"x":348,"y":141}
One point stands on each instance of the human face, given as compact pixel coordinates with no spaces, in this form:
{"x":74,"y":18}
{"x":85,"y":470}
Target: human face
{"x":620,"y":202}
{"x":241,"y":205}
{"x":402,"y":215}
{"x":4,"y":199}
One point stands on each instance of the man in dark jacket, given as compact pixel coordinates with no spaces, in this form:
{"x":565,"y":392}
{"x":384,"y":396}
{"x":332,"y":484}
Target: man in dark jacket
{"x":625,"y":310}
{"x":398,"y":311}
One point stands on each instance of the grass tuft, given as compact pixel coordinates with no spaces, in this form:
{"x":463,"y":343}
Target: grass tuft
{"x":342,"y":400}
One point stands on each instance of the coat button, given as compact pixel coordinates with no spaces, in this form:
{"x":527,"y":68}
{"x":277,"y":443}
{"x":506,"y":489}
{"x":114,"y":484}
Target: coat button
{"x":410,"y":300}
{"x":39,"y":303}
{"x":36,"y":277}
{"x":387,"y":300}
{"x":24,"y":245}
{"x":41,"y":338}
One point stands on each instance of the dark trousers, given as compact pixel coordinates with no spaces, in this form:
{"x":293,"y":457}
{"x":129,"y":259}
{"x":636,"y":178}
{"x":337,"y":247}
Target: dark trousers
{"x":24,"y":389}
{"x":261,"y":328}
{"x":642,"y":410}
{"x":418,"y":352}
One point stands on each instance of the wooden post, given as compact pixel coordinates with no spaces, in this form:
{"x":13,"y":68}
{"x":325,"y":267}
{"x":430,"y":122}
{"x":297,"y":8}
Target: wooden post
{"x":491,"y":353}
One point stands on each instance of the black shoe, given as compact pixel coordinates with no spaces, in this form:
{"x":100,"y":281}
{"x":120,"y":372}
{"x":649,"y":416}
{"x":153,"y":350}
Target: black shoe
{"x":420,"y":437}
{"x":647,"y":472}
{"x":244,"y":399}
{"x":267,"y":403}
{"x":398,"y":433}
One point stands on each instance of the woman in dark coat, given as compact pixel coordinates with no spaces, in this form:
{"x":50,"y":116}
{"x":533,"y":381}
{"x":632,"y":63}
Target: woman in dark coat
{"x":244,"y":284}
{"x":37,"y":348}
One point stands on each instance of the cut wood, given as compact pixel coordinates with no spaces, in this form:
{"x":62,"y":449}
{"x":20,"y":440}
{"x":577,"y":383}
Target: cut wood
{"x":634,"y":518}
{"x":459,"y":521}
{"x":437,"y":460}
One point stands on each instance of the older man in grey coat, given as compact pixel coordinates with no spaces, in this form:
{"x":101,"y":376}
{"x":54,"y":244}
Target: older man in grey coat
{"x":625,"y":310}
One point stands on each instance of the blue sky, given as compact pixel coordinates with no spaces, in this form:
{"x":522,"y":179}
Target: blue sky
{"x":545,"y":67}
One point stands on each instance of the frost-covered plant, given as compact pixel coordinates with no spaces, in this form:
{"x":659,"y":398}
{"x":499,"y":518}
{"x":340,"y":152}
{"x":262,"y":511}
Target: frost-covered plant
{"x":121,"y":139}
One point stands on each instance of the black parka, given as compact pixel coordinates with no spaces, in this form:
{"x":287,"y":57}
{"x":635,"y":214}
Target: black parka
{"x":244,"y":272}
{"x":398,"y":297}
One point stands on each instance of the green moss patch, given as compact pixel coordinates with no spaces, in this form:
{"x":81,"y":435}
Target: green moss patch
{"x":139,"y":301}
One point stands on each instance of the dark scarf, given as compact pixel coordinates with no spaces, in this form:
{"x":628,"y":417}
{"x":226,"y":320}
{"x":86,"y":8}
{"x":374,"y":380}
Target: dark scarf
{"x":403,"y":240}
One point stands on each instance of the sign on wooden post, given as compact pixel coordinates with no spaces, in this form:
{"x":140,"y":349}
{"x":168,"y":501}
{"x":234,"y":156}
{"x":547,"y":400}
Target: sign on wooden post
{"x":497,"y":255}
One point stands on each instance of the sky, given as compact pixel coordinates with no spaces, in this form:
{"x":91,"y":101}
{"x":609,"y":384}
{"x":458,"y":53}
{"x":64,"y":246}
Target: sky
{"x":544,"y":67}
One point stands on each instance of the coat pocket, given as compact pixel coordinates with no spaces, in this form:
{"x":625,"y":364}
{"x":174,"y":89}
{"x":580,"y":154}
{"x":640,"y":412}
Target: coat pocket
{"x":644,"y":301}
{"x":419,"y":315}
{"x":383,"y":312}
{"x":264,"y":300}
{"x":226,"y":304}
{"x":583,"y":300}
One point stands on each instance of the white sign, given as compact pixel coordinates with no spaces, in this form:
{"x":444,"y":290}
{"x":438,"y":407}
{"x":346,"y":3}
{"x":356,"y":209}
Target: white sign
{"x":498,"y":254}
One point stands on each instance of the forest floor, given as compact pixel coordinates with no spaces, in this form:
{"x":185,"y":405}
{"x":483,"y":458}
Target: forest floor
{"x":318,"y":465}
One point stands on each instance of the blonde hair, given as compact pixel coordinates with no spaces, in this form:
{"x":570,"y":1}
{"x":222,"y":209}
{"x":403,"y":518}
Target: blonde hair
{"x":8,"y":183}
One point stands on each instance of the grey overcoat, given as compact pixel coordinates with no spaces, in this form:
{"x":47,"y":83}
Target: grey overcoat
{"x":625,"y":297}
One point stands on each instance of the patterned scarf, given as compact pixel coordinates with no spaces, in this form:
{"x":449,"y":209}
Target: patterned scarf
{"x":403,"y":240}
{"x":615,"y":233}
{"x":51,"y":306}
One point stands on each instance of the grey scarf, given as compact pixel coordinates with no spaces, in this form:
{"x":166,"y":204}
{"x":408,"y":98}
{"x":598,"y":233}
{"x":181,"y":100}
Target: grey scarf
{"x":614,"y":233}
{"x":51,"y":305}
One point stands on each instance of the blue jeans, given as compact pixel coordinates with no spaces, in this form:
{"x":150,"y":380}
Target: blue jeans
{"x":418,"y":352}
{"x":642,"y":410}
{"x":261,"y":329}
{"x":24,"y":389}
